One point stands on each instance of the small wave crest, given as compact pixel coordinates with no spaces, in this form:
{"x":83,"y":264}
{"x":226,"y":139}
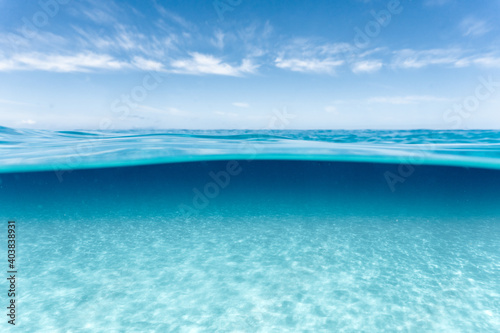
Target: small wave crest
{"x":38,"y":150}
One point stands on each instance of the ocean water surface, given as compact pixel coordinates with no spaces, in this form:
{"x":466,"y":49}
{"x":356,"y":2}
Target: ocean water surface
{"x":253,"y":231}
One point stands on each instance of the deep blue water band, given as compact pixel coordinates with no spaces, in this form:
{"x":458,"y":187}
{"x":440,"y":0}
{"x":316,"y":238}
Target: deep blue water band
{"x":254,"y":187}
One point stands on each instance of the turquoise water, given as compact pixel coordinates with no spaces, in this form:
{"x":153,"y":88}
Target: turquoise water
{"x":29,"y":150}
{"x":253,"y":231}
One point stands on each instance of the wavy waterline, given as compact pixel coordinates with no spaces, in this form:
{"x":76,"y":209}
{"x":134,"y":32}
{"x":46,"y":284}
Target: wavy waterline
{"x":40,"y":150}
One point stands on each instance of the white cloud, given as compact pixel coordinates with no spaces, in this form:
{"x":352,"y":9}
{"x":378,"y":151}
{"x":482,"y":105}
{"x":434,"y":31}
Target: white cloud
{"x":7,"y":101}
{"x":304,"y":55}
{"x":473,"y":27}
{"x":417,"y":59}
{"x":241,"y":105}
{"x":82,"y":62}
{"x":487,"y":61}
{"x":147,"y":64}
{"x":35,"y":39}
{"x":326,"y":66}
{"x":218,"y":40}
{"x":176,"y":44}
{"x":331,"y":109}
{"x":307,"y":48}
{"x":400,"y":100}
{"x":367,"y":66}
{"x":126,"y":40}
{"x":99,"y":16}
{"x":200,"y":64}
{"x":254,"y":39}
{"x":173,"y":17}
{"x":446,"y":57}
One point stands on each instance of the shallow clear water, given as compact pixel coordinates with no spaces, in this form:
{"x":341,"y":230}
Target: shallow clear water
{"x":29,"y":150}
{"x":255,"y":244}
{"x":260,"y":273}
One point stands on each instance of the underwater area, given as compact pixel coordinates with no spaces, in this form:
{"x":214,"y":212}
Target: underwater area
{"x":364,"y":235}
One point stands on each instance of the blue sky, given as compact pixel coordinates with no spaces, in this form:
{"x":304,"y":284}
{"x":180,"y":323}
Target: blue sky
{"x":67,"y":64}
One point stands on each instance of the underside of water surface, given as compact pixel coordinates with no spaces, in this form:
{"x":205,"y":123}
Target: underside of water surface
{"x":252,"y":245}
{"x":41,"y":150}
